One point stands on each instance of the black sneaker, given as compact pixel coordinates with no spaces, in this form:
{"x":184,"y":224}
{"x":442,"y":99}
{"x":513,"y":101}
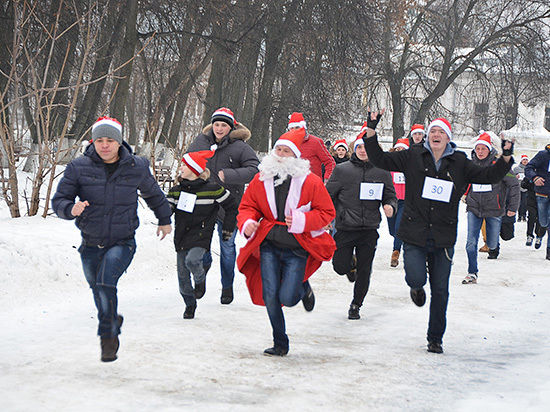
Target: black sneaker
{"x":200,"y":289}
{"x":529,"y":240}
{"x":418,"y":296}
{"x":276,"y":351}
{"x":353,"y":312}
{"x":435,"y":347}
{"x":538,"y":242}
{"x":227,"y":296}
{"x":189,"y":312}
{"x":493,"y":253}
{"x":309,"y":298}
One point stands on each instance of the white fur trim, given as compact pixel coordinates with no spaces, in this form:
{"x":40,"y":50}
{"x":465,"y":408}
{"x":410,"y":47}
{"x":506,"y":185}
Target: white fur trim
{"x":298,"y":222}
{"x":357,"y":143}
{"x":223,"y":114}
{"x":484,"y":143}
{"x":297,"y":124}
{"x":293,"y":147}
{"x":109,"y":122}
{"x":337,"y":145}
{"x":269,"y":187}
{"x":190,"y":162}
{"x":441,"y":124}
{"x":403,"y":145}
{"x":418,"y":130}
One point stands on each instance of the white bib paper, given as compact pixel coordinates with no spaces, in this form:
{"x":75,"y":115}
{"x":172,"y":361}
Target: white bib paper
{"x":186,"y":202}
{"x":437,"y":189}
{"x":549,"y":166}
{"x":481,"y":188}
{"x":398,"y":177}
{"x":371,"y":191}
{"x":521,"y":176}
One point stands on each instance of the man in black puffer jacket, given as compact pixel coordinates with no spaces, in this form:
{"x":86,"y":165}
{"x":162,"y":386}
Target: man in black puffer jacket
{"x":106,"y":180}
{"x":436,"y":176}
{"x":357,"y":189}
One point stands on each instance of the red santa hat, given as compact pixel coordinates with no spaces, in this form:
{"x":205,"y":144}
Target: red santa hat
{"x":293,"y":139}
{"x":196,"y":161}
{"x":296,"y":119}
{"x":108,"y":127}
{"x":223,"y":114}
{"x":404,"y":143}
{"x":524,"y":156}
{"x":418,"y":128}
{"x":444,"y":124}
{"x":485,"y":140}
{"x":340,"y":143}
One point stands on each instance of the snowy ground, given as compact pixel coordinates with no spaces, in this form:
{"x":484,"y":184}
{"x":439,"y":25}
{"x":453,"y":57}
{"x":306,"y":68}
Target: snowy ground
{"x":496,"y":346}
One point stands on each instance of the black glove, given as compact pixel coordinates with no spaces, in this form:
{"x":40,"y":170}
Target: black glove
{"x":507,"y":152}
{"x":226,"y":235}
{"x":371,"y":124}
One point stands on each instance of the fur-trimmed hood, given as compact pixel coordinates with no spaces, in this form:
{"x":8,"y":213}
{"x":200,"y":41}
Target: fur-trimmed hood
{"x":240,"y":132}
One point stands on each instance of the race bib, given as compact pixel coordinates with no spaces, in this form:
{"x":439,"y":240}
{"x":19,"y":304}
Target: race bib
{"x":398,"y":177}
{"x":186,"y":202}
{"x":371,"y":191}
{"x":521,"y":176}
{"x":482,"y":188}
{"x":549,"y":166}
{"x":437,"y":189}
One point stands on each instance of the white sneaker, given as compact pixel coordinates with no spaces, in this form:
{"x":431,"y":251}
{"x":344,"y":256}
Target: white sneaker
{"x":471,"y":278}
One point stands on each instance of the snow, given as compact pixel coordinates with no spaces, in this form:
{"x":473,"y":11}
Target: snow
{"x":496,"y":346}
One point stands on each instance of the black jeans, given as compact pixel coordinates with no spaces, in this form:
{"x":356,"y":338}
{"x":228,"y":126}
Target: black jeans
{"x":363,"y":242}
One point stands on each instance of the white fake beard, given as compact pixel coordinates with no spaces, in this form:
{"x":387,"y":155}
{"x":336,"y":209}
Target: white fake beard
{"x":273,"y":165}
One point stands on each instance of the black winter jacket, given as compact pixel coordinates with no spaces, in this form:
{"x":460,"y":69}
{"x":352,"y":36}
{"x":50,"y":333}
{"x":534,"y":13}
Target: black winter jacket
{"x":195,"y":229}
{"x":344,"y":185}
{"x":423,"y":218}
{"x":112,"y":214}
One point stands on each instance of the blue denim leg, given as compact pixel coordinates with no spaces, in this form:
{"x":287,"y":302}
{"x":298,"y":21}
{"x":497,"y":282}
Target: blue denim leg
{"x":492,"y":229}
{"x":439,"y":261}
{"x":543,"y":206}
{"x":187,"y":291}
{"x":282,"y":284}
{"x":102,"y":269}
{"x":228,"y":255}
{"x":474,"y":226}
{"x":393,"y":224}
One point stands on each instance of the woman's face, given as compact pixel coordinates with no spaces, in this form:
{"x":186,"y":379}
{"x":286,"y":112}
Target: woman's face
{"x":220,"y":129}
{"x":341,"y":152}
{"x":482,"y":151}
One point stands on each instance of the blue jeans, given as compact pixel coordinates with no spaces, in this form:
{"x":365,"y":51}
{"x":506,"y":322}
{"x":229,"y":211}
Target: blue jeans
{"x":393,"y":224}
{"x":418,"y":262}
{"x":282,"y":284}
{"x":228,"y":256}
{"x":492,"y":229}
{"x":190,"y":262}
{"x":102,"y":269}
{"x":543,"y":206}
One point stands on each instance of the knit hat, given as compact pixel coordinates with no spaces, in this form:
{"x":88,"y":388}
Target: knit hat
{"x":443,"y":123}
{"x":340,"y":143}
{"x":223,"y":114}
{"x":417,"y":128}
{"x":293,"y":139}
{"x":524,"y":156}
{"x":107,"y":127}
{"x":296,"y":119}
{"x":404,"y":143}
{"x":485,"y":140}
{"x":196,"y":161}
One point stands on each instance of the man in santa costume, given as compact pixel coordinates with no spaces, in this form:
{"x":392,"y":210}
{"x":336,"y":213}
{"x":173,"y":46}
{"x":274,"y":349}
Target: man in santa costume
{"x":283,"y":214}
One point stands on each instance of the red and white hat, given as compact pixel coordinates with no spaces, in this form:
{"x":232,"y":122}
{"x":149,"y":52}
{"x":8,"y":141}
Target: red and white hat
{"x":223,"y":114}
{"x":340,"y":143}
{"x":108,"y":127}
{"x":418,"y":128}
{"x":484,"y":139}
{"x":196,"y":161}
{"x":293,"y":139}
{"x":403,"y":142}
{"x":296,"y":119}
{"x":359,"y":138}
{"x":443,"y":123}
{"x":524,"y":156}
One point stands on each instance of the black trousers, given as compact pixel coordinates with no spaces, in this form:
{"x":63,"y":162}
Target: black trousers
{"x":533,"y":222}
{"x":363,"y":243}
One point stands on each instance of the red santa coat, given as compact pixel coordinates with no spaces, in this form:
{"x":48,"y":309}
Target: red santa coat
{"x":311,"y":208}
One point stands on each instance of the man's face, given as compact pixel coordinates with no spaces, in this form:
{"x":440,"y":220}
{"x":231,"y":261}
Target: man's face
{"x":437,"y":138}
{"x":284,"y":151}
{"x":107,"y":149}
{"x":482,"y":151}
{"x":417,"y":137}
{"x":220,"y":129}
{"x":361,"y":153}
{"x":524,"y":161}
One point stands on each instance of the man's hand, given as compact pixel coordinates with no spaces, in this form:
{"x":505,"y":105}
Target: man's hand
{"x":226,"y":235}
{"x":372,"y":121}
{"x":288,"y":220}
{"x":165,"y":230}
{"x":510,"y":213}
{"x":507,"y":149}
{"x":538,"y":181}
{"x":251,"y":228}
{"x":388,"y":210}
{"x":221,"y":175}
{"x":79,"y":207}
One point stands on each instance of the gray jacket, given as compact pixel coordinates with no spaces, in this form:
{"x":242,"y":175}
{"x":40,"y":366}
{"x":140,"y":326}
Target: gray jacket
{"x":519,"y":171}
{"x":503,"y":196}
{"x":344,"y":187}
